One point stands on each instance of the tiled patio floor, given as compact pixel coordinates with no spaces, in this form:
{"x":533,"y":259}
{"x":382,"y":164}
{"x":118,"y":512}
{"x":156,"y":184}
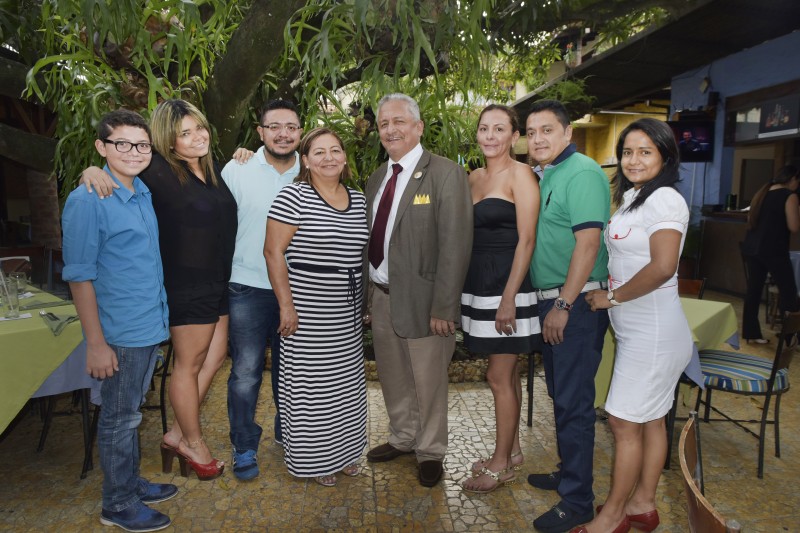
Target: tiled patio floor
{"x":42,"y":491}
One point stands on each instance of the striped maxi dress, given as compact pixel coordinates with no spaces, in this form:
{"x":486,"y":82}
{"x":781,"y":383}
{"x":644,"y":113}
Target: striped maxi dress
{"x":322,"y":386}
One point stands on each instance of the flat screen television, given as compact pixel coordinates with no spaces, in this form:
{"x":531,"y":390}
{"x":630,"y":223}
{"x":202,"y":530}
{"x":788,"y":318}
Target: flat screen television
{"x":695,"y":140}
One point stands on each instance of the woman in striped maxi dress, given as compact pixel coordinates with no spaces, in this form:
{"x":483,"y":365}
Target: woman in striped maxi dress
{"x":316,"y":233}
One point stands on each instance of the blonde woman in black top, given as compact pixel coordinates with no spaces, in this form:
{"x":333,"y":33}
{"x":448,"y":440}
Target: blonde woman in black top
{"x":197,"y":231}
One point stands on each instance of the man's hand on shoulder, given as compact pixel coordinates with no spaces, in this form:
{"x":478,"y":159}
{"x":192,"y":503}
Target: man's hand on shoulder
{"x":97,"y":179}
{"x":242,"y":155}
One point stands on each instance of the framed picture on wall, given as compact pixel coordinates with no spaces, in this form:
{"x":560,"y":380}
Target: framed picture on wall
{"x":779,"y":117}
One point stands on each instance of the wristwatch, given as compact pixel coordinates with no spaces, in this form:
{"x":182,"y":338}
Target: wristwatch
{"x":562,"y":304}
{"x":611,"y":298}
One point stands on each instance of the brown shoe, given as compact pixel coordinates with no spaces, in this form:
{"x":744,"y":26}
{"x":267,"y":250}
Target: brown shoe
{"x":385,"y":452}
{"x":430,"y":472}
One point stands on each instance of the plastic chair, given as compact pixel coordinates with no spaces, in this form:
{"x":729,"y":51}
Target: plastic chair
{"x":752,"y":375}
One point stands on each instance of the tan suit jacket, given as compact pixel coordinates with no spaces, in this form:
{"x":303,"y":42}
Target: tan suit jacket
{"x":430,"y":245}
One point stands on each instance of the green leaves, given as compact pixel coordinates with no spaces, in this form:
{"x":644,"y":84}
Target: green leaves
{"x":99,"y":55}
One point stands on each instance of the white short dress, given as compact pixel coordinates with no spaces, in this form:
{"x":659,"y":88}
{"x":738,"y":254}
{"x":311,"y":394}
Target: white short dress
{"x":654,"y":342}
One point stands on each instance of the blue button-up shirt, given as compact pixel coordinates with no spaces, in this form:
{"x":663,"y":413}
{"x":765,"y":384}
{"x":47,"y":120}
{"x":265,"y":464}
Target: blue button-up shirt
{"x":114,"y":244}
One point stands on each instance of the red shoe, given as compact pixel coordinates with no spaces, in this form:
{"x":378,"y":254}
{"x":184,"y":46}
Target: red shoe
{"x":642,"y":522}
{"x":645,"y":521}
{"x":623,"y":527}
{"x":168,"y":454}
{"x":205,"y":472}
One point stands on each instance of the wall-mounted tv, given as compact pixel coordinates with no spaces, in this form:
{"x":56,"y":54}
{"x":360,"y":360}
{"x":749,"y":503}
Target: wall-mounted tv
{"x":695,"y":140}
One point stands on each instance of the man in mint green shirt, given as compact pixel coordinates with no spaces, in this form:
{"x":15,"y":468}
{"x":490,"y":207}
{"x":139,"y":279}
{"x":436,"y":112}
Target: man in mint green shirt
{"x":569,"y":259}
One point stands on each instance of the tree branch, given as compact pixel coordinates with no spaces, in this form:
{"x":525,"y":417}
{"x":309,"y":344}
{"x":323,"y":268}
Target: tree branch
{"x":255,"y":46}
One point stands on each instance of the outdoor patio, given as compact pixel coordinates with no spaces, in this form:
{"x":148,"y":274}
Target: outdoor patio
{"x":43,"y":492}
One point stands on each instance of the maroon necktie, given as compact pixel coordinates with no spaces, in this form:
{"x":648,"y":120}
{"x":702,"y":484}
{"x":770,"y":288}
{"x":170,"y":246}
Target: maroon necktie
{"x":381,"y":218}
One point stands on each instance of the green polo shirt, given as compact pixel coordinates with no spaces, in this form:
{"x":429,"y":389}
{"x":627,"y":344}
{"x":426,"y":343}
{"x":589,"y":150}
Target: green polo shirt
{"x":574,"y":196}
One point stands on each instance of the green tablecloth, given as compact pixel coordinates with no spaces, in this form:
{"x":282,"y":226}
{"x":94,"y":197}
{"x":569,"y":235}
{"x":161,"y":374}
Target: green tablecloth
{"x":712,"y":323}
{"x":29,"y":353}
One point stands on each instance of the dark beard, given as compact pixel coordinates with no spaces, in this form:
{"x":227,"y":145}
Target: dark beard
{"x":279,"y":157}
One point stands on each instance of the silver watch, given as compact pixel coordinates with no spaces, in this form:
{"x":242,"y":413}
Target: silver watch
{"x":611,"y":299}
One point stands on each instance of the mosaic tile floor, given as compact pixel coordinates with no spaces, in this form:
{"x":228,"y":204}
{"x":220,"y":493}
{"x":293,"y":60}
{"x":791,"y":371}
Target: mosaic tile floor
{"x":42,"y":491}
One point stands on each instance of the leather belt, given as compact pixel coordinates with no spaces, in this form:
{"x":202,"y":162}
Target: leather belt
{"x":549,"y":294}
{"x":383,"y":288}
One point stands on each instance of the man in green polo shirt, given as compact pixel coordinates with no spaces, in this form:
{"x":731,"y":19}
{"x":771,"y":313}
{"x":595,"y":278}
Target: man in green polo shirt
{"x":570,"y":259}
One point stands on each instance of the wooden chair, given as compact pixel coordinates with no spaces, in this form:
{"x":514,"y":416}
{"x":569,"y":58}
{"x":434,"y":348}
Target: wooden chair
{"x":751,"y":375}
{"x":55,"y":265}
{"x":691,"y":288}
{"x":703,"y":518}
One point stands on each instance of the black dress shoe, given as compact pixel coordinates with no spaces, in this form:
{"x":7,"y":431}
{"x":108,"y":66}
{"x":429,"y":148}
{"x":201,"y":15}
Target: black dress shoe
{"x":385,"y":452}
{"x":430,"y":472}
{"x":560,"y":519}
{"x":545,"y":481}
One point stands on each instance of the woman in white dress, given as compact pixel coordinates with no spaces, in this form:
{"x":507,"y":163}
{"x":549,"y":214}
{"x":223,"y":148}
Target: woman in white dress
{"x":654,"y":343}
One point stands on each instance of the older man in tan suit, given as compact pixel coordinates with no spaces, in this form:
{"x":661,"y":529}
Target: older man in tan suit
{"x":420,"y":213}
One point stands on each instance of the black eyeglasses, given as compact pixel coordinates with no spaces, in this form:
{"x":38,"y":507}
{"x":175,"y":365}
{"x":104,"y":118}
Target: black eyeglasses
{"x":126,"y":146}
{"x":274,"y":127}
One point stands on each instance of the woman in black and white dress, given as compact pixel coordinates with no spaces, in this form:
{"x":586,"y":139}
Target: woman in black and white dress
{"x":498,"y":304}
{"x":316,"y":233}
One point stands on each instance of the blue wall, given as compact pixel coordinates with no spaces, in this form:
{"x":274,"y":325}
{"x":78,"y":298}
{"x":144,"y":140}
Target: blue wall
{"x":771,"y":63}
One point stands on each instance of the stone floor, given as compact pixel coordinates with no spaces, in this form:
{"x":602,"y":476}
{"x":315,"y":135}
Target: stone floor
{"x":42,"y":491}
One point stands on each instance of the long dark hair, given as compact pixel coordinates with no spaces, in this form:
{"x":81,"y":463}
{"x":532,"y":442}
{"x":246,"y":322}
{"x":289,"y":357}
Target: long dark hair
{"x":661,"y":135}
{"x":784,"y":176}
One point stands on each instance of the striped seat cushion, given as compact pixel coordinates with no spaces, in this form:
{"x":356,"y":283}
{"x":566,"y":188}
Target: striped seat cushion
{"x":739,"y":372}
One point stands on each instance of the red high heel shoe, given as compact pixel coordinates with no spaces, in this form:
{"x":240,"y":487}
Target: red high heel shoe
{"x":168,"y":454}
{"x":646,"y":522}
{"x":623,"y":527}
{"x":205,"y":472}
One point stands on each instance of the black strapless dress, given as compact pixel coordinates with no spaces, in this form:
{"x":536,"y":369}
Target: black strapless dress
{"x":494,"y":243}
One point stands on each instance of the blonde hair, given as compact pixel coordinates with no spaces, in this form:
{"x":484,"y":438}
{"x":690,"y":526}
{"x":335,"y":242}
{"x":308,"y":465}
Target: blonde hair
{"x":305,"y":148}
{"x":165,"y":124}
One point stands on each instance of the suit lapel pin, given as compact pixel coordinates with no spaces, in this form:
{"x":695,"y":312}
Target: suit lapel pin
{"x":417,"y":175}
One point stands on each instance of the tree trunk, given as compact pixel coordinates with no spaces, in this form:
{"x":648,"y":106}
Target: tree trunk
{"x":255,"y":46}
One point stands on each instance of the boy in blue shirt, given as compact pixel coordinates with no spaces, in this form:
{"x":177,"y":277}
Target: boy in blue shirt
{"x":113,"y":265}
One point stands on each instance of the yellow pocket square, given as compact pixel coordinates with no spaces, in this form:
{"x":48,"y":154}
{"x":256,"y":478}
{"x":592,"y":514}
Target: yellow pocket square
{"x":422,"y":199}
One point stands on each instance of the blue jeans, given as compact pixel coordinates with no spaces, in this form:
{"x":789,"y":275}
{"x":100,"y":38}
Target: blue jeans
{"x":254,"y":321}
{"x":123,"y":395}
{"x":569,"y":373}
